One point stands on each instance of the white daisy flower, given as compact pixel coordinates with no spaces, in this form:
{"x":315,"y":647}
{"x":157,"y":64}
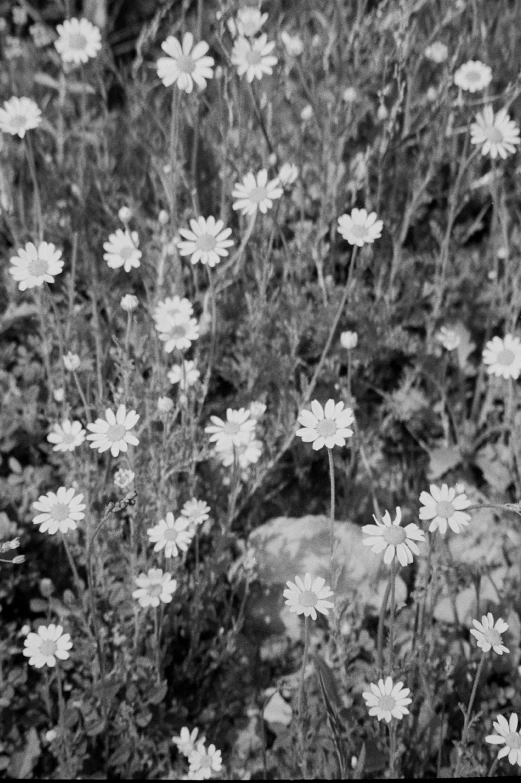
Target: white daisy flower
{"x":328,"y":426}
{"x":196,"y":511}
{"x":123,"y":477}
{"x":78,"y":41}
{"x":497,"y":133}
{"x":59,"y":394}
{"x":386,"y":700}
{"x":34,"y":266}
{"x":45,"y":646}
{"x":113,"y":432}
{"x":235,"y":431}
{"x":488,"y":634}
{"x":308,"y":596}
{"x":255,"y":192}
{"x":473,"y":76}
{"x":509,"y":736}
{"x":204,"y":761}
{"x":66,"y":436}
{"x":185,"y":63}
{"x":253,"y":58}
{"x":249,"y":21}
{"x":71,"y":361}
{"x":172,"y":535}
{"x":186,"y":740}
{"x":154,"y":587}
{"x":449,"y":338}
{"x":129,"y":302}
{"x":503,"y":356}
{"x":207,"y":242}
{"x":19,"y":115}
{"x":437,"y":52}
{"x":360,"y":228}
{"x":59,"y":510}
{"x":186,"y":374}
{"x":173,"y":305}
{"x":348,"y":340}
{"x":288,"y":174}
{"x":177,"y":332}
{"x":122,"y":250}
{"x":246,"y":453}
{"x":292,"y":43}
{"x":444,"y":506}
{"x":397,"y":541}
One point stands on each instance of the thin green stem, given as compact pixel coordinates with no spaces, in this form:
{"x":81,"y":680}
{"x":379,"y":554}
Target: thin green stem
{"x":468,"y":715}
{"x":381,"y":622}
{"x":63,"y":727}
{"x":157,"y":638}
{"x":394,"y":569}
{"x":392,"y":750}
{"x":332,"y":509}
{"x":36,"y":190}
{"x":492,"y":769}
{"x":301,"y":698}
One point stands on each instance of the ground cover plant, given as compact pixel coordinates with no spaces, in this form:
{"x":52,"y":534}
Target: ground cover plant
{"x":259,"y":261}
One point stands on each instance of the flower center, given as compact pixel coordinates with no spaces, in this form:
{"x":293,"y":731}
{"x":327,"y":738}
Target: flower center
{"x":116,"y":432}
{"x":513,"y":740}
{"x":155,"y":589}
{"x":68,"y":437}
{"x":387,"y":703}
{"x":444,"y":509}
{"x":258,"y":194}
{"x":185,"y":64}
{"x":253,"y":57}
{"x":494,"y":135}
{"x":127,"y":252}
{"x":506,"y":357}
{"x":18,"y":121}
{"x":177,"y":331}
{"x":358,"y":230}
{"x":205,"y":760}
{"x":394,"y":535}
{"x":493,"y":637}
{"x":308,"y":598}
{"x":77,"y":41}
{"x":38,"y":267}
{"x":48,"y":647}
{"x":473,"y":76}
{"x":60,"y":512}
{"x":170,"y":534}
{"x":206,"y":242}
{"x":232,"y":428}
{"x":326,"y":428}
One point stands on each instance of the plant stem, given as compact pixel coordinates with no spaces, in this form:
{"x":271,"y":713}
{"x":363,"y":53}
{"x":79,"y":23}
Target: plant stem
{"x":332,"y":507}
{"x":36,"y":189}
{"x":157,"y":637}
{"x":301,"y":701}
{"x":392,"y":750}
{"x":174,"y":144}
{"x":468,"y":714}
{"x":381,"y":620}
{"x":394,"y":569}
{"x":63,"y":728}
{"x":493,"y":766}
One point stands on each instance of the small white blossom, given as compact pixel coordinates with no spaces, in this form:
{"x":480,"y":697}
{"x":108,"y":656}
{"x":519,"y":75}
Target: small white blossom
{"x":78,"y":41}
{"x":59,"y":510}
{"x":449,"y":338}
{"x":196,"y":511}
{"x":488,"y":634}
{"x":473,"y":76}
{"x":444,"y":506}
{"x":496,"y":133}
{"x":71,"y":361}
{"x":154,"y":588}
{"x":47,"y":645}
{"x":437,"y":52}
{"x":123,"y":477}
{"x":129,"y":302}
{"x":172,"y":535}
{"x":19,"y":115}
{"x":185,"y":64}
{"x":34,"y":266}
{"x":255,"y":192}
{"x":207,"y":242}
{"x":292,"y":43}
{"x":113,"y":432}
{"x":66,"y":436}
{"x":328,"y":426}
{"x":348,"y":340}
{"x":122,"y":250}
{"x":186,"y":375}
{"x":308,"y":596}
{"x":254,"y":58}
{"x":186,"y":740}
{"x":360,"y":228}
{"x":397,"y":541}
{"x":288,"y":174}
{"x":387,"y":700}
{"x":235,"y":431}
{"x":503,"y":357}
